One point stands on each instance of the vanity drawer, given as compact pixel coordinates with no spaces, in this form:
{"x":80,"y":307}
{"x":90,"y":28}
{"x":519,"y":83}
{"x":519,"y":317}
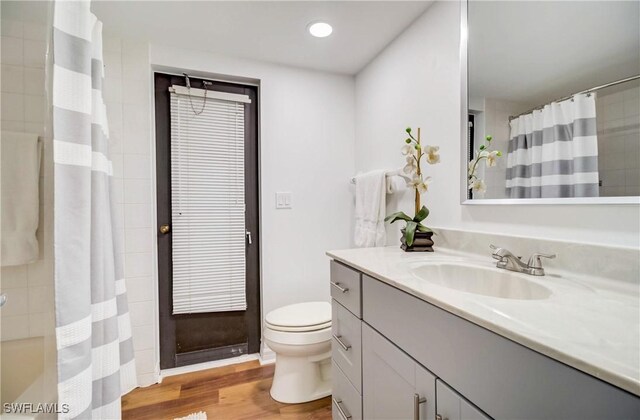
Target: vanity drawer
{"x":345,"y":287}
{"x":346,"y":403}
{"x":346,"y":344}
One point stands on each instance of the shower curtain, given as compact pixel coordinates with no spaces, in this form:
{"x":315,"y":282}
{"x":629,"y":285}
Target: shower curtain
{"x":93,"y":330}
{"x":553,"y":152}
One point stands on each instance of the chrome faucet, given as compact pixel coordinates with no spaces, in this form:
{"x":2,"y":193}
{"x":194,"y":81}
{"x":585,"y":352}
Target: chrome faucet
{"x":508,"y":261}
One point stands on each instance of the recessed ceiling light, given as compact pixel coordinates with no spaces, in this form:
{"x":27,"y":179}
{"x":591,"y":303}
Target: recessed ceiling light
{"x":320,"y":29}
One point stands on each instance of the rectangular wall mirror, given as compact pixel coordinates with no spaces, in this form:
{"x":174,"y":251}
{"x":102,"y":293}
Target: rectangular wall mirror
{"x":555,"y":87}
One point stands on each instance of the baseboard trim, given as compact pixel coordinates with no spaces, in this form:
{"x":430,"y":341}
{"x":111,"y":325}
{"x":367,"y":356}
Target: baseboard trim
{"x":165,"y":373}
{"x":267,"y":356}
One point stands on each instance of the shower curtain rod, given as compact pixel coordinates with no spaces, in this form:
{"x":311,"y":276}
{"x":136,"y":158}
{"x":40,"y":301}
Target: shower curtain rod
{"x":593,"y":89}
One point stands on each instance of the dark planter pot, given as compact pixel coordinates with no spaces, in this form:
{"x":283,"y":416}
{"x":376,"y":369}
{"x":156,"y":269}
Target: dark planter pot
{"x":421,"y":242}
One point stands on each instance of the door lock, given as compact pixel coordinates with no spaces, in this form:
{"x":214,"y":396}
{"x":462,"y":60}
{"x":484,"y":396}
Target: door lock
{"x":164,"y":229}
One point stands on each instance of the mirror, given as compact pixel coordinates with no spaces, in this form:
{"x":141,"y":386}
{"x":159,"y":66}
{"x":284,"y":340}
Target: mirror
{"x":556,"y":87}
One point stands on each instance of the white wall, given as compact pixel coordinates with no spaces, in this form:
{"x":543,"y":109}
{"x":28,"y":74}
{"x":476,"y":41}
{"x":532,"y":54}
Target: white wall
{"x":416,"y":82}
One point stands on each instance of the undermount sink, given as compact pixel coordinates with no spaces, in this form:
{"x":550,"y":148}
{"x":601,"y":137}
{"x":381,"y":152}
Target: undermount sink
{"x":481,"y":281}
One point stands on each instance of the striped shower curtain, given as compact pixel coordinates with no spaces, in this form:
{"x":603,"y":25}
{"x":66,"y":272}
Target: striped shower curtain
{"x":553,"y":152}
{"x":93,"y":330}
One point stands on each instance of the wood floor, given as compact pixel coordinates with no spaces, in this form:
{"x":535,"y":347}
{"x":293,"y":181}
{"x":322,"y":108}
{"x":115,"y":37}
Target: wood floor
{"x":227,"y":393}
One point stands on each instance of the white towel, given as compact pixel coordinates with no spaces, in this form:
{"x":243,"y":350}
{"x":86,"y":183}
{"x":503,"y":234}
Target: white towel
{"x":20,"y":203}
{"x":370,"y":209}
{"x":396,"y":184}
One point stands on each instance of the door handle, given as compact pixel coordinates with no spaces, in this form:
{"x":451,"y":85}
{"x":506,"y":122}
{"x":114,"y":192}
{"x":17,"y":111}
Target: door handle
{"x":416,"y":405}
{"x":164,"y":229}
{"x":3,"y":299}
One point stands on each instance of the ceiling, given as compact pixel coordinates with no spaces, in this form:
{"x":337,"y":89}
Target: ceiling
{"x":274,"y":31}
{"x":535,"y":52}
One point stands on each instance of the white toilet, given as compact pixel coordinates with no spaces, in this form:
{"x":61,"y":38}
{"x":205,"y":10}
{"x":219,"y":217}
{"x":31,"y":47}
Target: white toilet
{"x":300,"y":336}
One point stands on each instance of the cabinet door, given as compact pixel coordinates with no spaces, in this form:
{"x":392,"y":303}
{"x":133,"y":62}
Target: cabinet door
{"x":394,"y":386}
{"x":451,"y":406}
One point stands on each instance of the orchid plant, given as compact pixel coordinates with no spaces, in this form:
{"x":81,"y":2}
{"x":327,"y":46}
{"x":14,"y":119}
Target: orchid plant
{"x":414,"y":152}
{"x":475,"y":183}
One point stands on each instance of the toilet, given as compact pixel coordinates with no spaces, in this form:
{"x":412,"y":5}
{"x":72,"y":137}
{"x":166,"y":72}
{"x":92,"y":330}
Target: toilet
{"x":300,"y":336}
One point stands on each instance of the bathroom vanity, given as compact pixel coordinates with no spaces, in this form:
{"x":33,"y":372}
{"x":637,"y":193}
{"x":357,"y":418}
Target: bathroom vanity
{"x":412,"y":339}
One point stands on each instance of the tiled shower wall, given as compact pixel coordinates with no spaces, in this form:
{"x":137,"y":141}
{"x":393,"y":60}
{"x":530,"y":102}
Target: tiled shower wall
{"x":127,"y":96}
{"x":618,"y":117}
{"x":29,"y":288}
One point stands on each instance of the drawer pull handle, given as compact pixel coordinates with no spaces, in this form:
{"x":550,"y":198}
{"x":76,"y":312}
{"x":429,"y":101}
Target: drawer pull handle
{"x":344,"y":414}
{"x":416,"y":405}
{"x":337,"y":286}
{"x":338,"y":338}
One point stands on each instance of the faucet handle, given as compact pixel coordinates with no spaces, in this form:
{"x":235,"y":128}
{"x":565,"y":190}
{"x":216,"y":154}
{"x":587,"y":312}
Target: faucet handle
{"x":534,"y":260}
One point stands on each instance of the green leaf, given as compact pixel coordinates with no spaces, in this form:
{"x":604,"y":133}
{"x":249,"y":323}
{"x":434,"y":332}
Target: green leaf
{"x":410,"y":232}
{"x":397,"y":216}
{"x":422,"y":228}
{"x":422,"y":214}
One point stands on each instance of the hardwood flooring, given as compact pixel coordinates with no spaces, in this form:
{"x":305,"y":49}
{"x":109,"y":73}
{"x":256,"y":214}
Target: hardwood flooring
{"x":226,"y":393}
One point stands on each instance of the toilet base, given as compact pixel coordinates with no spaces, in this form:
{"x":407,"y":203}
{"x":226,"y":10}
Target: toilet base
{"x":301,"y":379}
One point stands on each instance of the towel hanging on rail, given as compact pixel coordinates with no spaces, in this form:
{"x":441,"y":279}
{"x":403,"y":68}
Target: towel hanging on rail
{"x":20,"y":197}
{"x":370,"y":209}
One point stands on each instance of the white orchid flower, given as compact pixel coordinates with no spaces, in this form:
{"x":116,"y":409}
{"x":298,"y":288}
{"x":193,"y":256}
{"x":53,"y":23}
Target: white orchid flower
{"x":433,"y":156}
{"x":407,"y":149}
{"x":411,"y":166}
{"x":423,"y":187}
{"x":478,"y":186}
{"x":492,"y":158}
{"x":420,"y":184}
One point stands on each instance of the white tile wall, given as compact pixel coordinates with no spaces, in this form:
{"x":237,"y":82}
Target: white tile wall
{"x":127,"y":95}
{"x":29,"y":308}
{"x":618,"y":118}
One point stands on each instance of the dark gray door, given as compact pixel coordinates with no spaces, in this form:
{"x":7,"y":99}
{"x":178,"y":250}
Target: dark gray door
{"x":194,"y":338}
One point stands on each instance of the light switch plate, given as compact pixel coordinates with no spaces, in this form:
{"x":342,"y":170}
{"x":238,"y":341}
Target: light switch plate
{"x":284,"y":200}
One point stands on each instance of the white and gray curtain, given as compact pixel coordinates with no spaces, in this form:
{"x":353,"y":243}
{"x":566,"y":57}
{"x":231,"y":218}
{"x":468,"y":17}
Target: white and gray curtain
{"x":553,"y":152}
{"x":93,"y":331}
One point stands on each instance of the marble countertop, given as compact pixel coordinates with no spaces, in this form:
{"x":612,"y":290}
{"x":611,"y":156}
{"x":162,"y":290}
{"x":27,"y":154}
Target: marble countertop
{"x":589,"y":323}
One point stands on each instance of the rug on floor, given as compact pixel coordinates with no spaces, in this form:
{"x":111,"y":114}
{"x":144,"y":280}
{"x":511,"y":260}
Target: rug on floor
{"x":200,"y":415}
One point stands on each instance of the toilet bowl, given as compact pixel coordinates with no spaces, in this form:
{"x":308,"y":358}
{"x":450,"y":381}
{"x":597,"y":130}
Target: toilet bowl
{"x":300,"y":336}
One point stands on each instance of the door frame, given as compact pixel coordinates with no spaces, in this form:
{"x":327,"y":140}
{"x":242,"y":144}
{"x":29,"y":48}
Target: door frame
{"x":238,"y":80}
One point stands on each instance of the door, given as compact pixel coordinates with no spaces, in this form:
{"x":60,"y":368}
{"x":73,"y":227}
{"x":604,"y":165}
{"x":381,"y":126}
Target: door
{"x":195,"y":337}
{"x":394,"y":386}
{"x":451,"y":406}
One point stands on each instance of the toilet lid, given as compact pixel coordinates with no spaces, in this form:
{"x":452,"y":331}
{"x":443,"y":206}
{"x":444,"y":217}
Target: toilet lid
{"x":305,"y":316}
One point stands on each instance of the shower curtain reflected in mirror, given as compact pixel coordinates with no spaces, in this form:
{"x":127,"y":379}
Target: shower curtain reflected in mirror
{"x":553,"y":152}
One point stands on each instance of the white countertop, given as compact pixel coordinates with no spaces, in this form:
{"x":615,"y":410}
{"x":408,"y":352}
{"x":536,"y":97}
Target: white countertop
{"x":589,"y":323}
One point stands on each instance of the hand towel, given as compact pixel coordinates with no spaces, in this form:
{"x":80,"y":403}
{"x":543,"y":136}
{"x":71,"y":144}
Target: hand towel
{"x":395,"y":184}
{"x":20,"y":159}
{"x":370,"y":209}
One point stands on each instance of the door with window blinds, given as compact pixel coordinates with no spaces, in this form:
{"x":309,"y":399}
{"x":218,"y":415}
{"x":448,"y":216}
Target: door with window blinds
{"x":208,"y":201}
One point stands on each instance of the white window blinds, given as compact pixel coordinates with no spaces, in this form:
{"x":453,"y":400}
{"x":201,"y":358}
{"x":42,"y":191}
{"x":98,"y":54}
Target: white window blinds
{"x":207,"y":202}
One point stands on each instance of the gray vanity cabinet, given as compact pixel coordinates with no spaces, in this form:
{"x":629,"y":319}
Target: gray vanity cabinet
{"x":394,"y":385}
{"x":391,"y":349}
{"x":451,"y":406}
